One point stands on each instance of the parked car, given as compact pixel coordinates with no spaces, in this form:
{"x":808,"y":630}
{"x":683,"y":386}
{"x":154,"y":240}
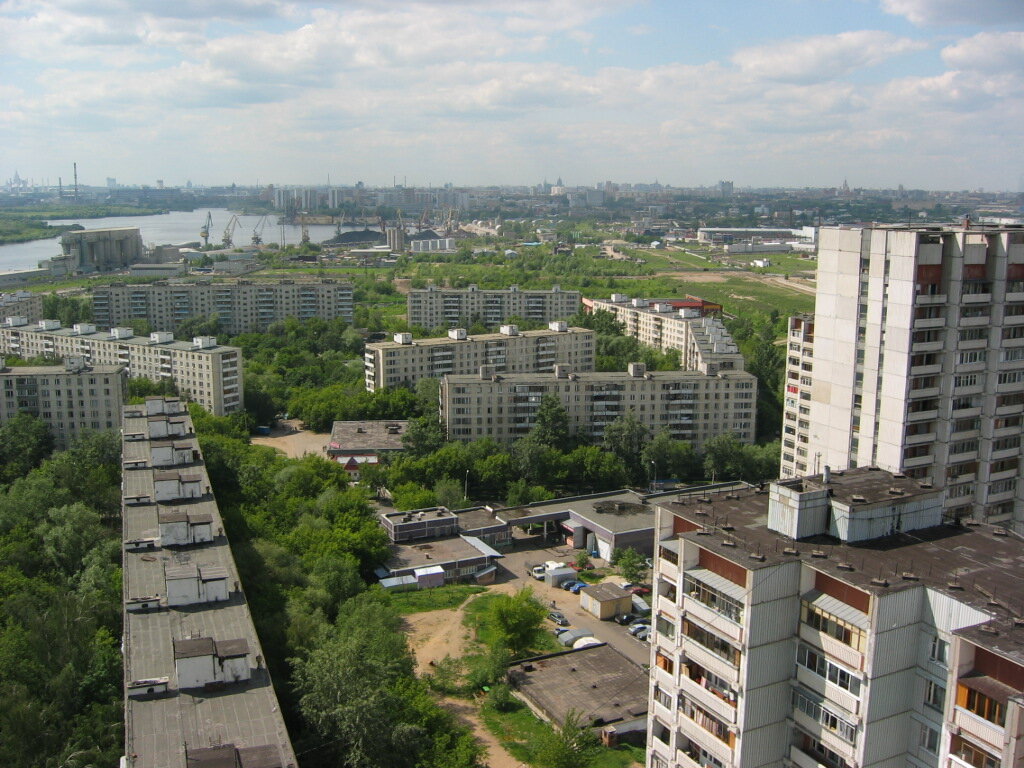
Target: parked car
{"x":560,"y":630}
{"x":643,"y":634}
{"x":639,"y":590}
{"x":538,"y":572}
{"x":568,"y":585}
{"x":575,"y":589}
{"x":625,"y":618}
{"x":559,"y":618}
{"x":636,"y":627}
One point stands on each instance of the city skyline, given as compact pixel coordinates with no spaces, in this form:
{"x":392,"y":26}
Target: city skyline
{"x":790,"y":94}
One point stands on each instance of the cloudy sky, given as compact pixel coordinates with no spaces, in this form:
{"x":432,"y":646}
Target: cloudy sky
{"x":925,"y":93}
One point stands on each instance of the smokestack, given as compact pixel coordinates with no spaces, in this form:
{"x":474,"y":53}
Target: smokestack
{"x":76,"y":181}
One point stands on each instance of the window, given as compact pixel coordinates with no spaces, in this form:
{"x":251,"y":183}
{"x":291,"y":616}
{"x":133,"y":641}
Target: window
{"x":928,"y":739}
{"x":938,"y":650}
{"x":822,"y":754}
{"x":713,"y":599}
{"x":833,"y":626}
{"x":934,"y":695}
{"x":971,"y":754}
{"x":982,"y":705}
{"x":820,"y":665}
{"x":813,"y":706}
{"x":967,"y":380}
{"x":717,"y":645}
{"x":971,"y":356}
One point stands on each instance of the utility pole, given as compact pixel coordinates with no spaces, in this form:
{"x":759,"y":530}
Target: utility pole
{"x":76,"y":182}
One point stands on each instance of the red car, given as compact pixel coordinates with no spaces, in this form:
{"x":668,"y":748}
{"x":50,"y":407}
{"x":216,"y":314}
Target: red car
{"x":640,"y":591}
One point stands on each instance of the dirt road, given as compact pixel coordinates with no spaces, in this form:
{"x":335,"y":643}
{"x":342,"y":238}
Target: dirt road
{"x":289,"y":438}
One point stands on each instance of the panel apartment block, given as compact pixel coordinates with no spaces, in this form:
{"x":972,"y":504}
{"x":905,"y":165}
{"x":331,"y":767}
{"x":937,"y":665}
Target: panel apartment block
{"x":432,"y":306}
{"x":914,"y":361}
{"x":829,"y":621}
{"x":404,"y":361}
{"x":204,"y":371}
{"x":71,"y":399}
{"x":197,"y":690}
{"x":241,"y":306}
{"x":22,"y":304}
{"x":686,"y":325}
{"x":690,"y":405}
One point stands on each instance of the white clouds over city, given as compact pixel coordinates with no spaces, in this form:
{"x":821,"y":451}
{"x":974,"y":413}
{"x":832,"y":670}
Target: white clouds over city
{"x":483,"y":91}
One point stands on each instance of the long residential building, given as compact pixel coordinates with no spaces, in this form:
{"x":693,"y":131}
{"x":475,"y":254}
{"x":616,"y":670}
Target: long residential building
{"x":834,"y":621}
{"x":914,"y":362}
{"x":240,"y":306}
{"x":690,"y":405}
{"x":70,"y":399}
{"x":686,"y":325}
{"x":433,"y":306}
{"x":203,"y":370}
{"x":404,"y":361}
{"x":22,"y":304}
{"x":198,"y":693}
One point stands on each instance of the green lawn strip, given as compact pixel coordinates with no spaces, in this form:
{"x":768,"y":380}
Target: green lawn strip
{"x":593,"y":575}
{"x":738,"y":294}
{"x":436,"y":599}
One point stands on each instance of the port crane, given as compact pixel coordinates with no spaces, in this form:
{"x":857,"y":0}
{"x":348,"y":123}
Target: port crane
{"x":229,"y":231}
{"x":257,"y":231}
{"x":204,"y":231}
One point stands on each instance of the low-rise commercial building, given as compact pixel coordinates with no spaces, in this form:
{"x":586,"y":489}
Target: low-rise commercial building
{"x":355,"y":444}
{"x":71,"y":399}
{"x":834,"y":621}
{"x":203,"y":370}
{"x":405,"y":361}
{"x":240,"y":306}
{"x":691,"y":405}
{"x":198,"y":693}
{"x":433,"y":306}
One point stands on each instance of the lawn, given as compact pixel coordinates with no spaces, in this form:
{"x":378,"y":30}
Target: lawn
{"x":519,"y":732}
{"x":782,"y":263}
{"x":740,"y":293}
{"x":436,"y":599}
{"x":475,"y":617}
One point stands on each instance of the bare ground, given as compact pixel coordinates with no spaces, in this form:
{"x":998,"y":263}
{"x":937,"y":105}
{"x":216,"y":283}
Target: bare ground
{"x":293,"y":441}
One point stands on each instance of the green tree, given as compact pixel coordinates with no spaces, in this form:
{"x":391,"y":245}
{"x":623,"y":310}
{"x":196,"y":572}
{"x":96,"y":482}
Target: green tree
{"x":448,"y":493}
{"x":573,"y":744}
{"x":668,"y":457}
{"x":25,"y":441}
{"x":551,"y":427}
{"x":626,"y":437}
{"x":424,"y":435}
{"x":516,"y":620}
{"x":630,"y":564}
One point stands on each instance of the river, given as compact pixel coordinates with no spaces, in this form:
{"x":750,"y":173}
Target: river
{"x":173,"y":228}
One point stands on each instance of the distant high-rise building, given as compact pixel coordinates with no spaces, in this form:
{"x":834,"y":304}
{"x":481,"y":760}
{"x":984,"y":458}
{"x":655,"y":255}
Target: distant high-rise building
{"x":914,"y":362}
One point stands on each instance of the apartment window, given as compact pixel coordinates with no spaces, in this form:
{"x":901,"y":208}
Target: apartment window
{"x":971,"y":356}
{"x":705,"y":719}
{"x":1002,"y":486}
{"x":841,"y":630}
{"x":928,"y":738}
{"x":812,"y":705}
{"x":934,"y":695}
{"x":983,"y":706}
{"x":665,"y":662}
{"x":976,"y":287}
{"x":665,"y":627}
{"x":967,"y":380}
{"x":1005,"y":443}
{"x":938,"y":650}
{"x":717,"y":645}
{"x":818,"y":751}
{"x":1013,"y":355}
{"x":974,"y":334}
{"x":1007,"y":422}
{"x":713,"y":599}
{"x":972,"y":755}
{"x":1014,"y":332}
{"x":963,"y":446}
{"x":975,"y":311}
{"x":823,"y":667}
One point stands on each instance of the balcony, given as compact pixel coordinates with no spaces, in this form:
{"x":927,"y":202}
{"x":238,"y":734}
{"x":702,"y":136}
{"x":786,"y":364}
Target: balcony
{"x":714,"y":699}
{"x":841,"y":651}
{"x":929,"y":322}
{"x":978,"y":729}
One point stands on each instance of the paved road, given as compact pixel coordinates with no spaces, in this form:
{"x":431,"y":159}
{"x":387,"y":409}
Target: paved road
{"x":516,"y":563}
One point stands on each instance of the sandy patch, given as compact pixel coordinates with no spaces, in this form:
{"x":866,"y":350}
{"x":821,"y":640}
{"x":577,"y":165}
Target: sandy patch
{"x":289,"y":438}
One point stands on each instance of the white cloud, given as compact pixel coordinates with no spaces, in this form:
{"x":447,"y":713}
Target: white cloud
{"x":988,"y":52}
{"x":823,"y":57}
{"x":973,"y":12}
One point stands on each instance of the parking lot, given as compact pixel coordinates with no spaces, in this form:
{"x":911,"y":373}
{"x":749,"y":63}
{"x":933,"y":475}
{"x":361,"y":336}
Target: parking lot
{"x":514,"y":570}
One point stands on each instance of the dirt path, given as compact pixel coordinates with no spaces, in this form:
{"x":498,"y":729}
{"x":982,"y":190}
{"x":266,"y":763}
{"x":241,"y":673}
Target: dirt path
{"x":435,"y":634}
{"x":293,"y":441}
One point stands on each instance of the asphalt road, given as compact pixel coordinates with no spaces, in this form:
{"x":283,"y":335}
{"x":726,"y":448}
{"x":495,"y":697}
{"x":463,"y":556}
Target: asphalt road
{"x":516,"y":564}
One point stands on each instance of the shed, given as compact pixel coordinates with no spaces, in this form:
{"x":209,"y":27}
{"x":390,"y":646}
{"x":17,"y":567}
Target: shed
{"x":399,"y":583}
{"x":558,"y":576}
{"x":570,"y":636}
{"x":429,"y":576}
{"x":605,"y":600}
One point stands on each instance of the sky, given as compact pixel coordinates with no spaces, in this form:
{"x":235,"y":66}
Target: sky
{"x":924,"y":93}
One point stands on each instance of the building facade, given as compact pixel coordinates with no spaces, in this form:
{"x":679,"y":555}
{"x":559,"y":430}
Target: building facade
{"x":786,"y":633}
{"x":22,"y":304}
{"x":404,"y":361}
{"x":914,"y":362}
{"x":432,"y":306}
{"x":692,"y":406}
{"x":241,"y":306}
{"x":686,"y":325}
{"x":71,"y":399}
{"x":203,"y":370}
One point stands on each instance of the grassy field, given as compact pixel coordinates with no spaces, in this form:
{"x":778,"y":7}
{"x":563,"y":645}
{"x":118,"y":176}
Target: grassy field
{"x":437,"y":599}
{"x":475,"y":617}
{"x":740,"y":293}
{"x":520,"y":732}
{"x":782,"y":263}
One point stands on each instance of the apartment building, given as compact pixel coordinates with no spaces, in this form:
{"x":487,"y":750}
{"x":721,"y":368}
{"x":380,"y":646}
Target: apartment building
{"x":691,"y":405}
{"x":687,"y":325}
{"x":198,"y":693}
{"x":403,"y":362}
{"x":71,"y":399}
{"x":433,"y":306}
{"x":22,"y":304}
{"x":914,"y":362}
{"x":203,"y":370}
{"x":834,"y":621}
{"x":241,"y":306}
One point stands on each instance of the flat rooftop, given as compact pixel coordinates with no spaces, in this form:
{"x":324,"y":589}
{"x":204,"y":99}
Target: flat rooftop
{"x":598,"y":681}
{"x":476,"y":338}
{"x":979,"y":564}
{"x":433,"y":552}
{"x":139,"y":341}
{"x":358,"y":436}
{"x":160,"y":729}
{"x":593,"y":376}
{"x":56,"y":370}
{"x":475,"y":518}
{"x":617,"y":511}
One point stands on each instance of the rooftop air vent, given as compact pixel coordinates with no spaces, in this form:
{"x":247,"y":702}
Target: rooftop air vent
{"x":819,"y":553}
{"x":845,"y":566}
{"x":1000,"y":532}
{"x":791,"y":551}
{"x":857,"y":499}
{"x":757,"y":556}
{"x":878,"y":581}
{"x":728,"y":543}
{"x":909,"y":576}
